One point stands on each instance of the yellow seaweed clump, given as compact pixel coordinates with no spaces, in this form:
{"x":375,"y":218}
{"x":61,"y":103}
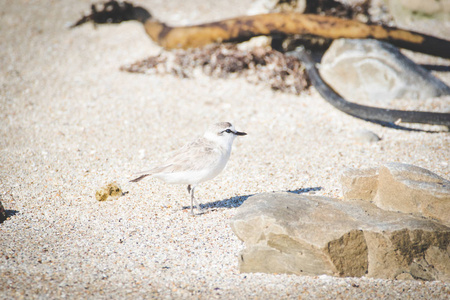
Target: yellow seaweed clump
{"x":110,"y":192}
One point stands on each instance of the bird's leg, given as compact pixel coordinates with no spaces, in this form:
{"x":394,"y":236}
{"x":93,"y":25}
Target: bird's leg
{"x":191,"y":192}
{"x":191,"y":189}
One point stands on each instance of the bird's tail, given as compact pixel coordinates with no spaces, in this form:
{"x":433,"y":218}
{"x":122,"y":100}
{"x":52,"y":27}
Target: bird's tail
{"x":139,"y":177}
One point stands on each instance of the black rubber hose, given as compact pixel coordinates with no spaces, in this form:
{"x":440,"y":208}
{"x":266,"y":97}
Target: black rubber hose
{"x":373,"y":114}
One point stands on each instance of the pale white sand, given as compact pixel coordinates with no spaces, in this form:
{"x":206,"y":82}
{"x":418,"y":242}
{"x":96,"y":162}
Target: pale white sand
{"x":71,"y":122}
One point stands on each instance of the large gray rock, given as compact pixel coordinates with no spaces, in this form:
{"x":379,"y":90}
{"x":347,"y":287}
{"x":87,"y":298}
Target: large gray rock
{"x":375,"y":72}
{"x":411,"y":189}
{"x":295,"y":234}
{"x":359,"y":184}
{"x":400,"y":187}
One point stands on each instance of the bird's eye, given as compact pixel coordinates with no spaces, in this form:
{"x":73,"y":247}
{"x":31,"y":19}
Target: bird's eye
{"x":228,"y":131}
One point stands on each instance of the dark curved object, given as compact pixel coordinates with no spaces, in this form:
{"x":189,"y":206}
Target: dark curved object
{"x":114,"y":12}
{"x":369,"y":113}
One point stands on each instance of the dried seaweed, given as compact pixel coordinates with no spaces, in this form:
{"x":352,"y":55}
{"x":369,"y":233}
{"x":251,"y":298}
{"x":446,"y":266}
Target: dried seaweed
{"x":258,"y":65}
{"x":336,"y":8}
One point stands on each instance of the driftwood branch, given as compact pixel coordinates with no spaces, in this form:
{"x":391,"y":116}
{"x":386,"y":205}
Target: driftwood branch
{"x":275,"y":24}
{"x":373,"y":114}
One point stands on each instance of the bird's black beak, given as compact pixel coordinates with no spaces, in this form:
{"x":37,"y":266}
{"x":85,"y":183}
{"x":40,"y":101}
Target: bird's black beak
{"x":240,"y":133}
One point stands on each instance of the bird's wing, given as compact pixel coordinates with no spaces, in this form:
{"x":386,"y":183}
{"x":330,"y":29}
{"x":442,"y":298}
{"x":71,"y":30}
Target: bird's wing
{"x":197,"y":155}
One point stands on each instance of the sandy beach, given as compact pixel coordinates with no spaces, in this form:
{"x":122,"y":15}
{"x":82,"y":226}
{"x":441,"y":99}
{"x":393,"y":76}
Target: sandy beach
{"x":72,"y":122}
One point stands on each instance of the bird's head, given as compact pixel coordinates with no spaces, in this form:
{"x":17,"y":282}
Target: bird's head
{"x":223,"y":133}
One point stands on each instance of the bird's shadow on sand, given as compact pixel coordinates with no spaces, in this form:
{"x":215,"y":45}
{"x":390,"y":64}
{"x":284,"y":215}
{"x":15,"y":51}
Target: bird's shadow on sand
{"x":237,"y":201}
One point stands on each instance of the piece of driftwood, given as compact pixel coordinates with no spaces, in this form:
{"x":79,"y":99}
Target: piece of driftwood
{"x":374,"y":114}
{"x":275,"y":24}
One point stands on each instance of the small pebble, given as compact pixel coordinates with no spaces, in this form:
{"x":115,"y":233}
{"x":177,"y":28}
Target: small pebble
{"x":365,"y":136}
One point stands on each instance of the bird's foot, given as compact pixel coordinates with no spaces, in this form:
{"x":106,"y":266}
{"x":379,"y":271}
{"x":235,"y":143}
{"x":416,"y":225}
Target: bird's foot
{"x":201,"y":210}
